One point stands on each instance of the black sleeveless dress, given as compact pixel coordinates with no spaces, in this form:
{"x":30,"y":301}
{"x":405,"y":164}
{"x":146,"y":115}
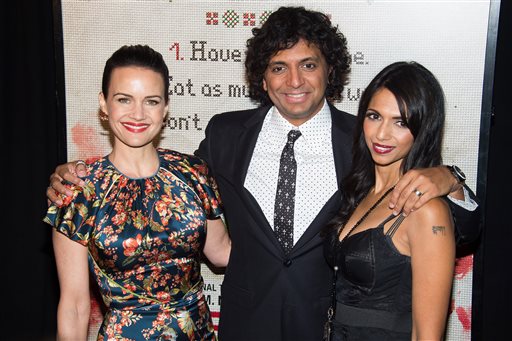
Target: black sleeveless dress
{"x":373,"y":287}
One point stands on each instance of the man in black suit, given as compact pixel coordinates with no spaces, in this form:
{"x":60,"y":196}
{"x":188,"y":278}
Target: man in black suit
{"x":297,"y":65}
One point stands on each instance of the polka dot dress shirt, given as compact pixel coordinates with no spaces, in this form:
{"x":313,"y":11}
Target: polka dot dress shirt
{"x":316,"y":174}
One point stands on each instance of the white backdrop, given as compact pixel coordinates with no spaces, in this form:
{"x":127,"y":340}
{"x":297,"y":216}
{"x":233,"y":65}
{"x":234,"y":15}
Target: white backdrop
{"x":203,"y":43}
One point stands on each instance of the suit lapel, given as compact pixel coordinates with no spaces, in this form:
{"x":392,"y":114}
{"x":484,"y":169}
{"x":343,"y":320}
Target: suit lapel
{"x":246,"y":143}
{"x":342,"y":132}
{"x":245,"y":148}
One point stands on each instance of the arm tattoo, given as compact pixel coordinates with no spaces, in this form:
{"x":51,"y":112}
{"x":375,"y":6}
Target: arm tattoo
{"x":439,"y":230}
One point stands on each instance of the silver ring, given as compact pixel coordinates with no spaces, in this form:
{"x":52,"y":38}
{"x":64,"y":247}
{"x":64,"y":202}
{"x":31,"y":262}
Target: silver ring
{"x":80,"y":162}
{"x":417,"y":192}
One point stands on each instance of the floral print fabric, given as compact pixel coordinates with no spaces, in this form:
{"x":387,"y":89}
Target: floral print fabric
{"x":145,"y":238}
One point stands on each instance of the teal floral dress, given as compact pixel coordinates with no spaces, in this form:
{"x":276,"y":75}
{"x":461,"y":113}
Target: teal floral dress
{"x":145,"y":239}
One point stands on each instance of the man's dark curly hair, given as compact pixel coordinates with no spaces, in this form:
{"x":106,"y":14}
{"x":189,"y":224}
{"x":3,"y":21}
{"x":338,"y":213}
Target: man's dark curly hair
{"x":282,"y":30}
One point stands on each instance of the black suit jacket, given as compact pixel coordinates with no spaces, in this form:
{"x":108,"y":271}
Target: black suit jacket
{"x":267,"y":295}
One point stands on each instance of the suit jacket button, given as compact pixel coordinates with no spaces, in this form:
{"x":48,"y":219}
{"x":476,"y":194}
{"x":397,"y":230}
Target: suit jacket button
{"x":287,"y":262}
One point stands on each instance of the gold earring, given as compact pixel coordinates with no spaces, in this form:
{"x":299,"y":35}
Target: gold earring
{"x":103,"y":116}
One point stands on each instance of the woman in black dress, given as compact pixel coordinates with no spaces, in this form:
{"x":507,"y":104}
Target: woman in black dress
{"x":394,"y":273}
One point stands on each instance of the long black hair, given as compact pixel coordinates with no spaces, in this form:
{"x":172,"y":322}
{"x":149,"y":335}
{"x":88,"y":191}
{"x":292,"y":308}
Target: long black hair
{"x":421,"y":102}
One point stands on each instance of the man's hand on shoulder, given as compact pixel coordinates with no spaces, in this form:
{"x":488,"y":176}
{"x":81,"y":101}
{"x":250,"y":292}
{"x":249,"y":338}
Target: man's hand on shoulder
{"x":418,"y":186}
{"x":70,"y":172}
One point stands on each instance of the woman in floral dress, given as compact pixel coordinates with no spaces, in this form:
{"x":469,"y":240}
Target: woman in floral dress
{"x":141,"y":222}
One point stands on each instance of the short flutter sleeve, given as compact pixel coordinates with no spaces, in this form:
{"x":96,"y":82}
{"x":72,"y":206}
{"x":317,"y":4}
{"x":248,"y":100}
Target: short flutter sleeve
{"x":75,"y":218}
{"x":194,"y":172}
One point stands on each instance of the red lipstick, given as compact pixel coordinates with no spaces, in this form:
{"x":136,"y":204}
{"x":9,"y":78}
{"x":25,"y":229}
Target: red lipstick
{"x":382,"y":149}
{"x":135,"y":127}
